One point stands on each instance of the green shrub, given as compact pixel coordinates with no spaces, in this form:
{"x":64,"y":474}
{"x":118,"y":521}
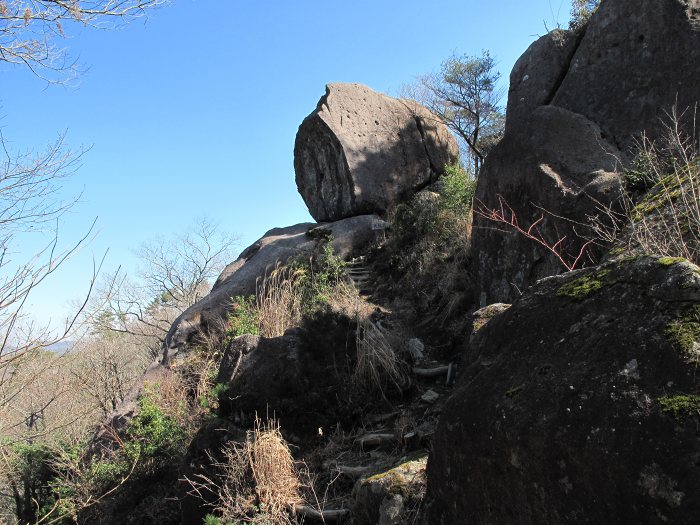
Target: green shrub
{"x":28,"y":465}
{"x":322,"y":275}
{"x":152,"y":433}
{"x":433,"y":227}
{"x":643,"y":173}
{"x":286,"y":294}
{"x":210,"y":399}
{"x":243,"y":319}
{"x":680,"y":406}
{"x":458,"y":190}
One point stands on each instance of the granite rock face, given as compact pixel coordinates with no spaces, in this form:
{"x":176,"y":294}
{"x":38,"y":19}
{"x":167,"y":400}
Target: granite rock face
{"x":557,"y":167}
{"x":577,"y":102}
{"x":578,"y":405}
{"x":636,"y":60}
{"x":361,"y":152}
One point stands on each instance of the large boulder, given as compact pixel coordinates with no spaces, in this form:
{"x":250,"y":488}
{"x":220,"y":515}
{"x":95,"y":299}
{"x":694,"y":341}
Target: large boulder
{"x":299,"y":377}
{"x":598,"y":89}
{"x":558,"y":167}
{"x":538,"y":72}
{"x":636,"y":60}
{"x":579,"y":404}
{"x":361,"y":151}
{"x":279,"y":245}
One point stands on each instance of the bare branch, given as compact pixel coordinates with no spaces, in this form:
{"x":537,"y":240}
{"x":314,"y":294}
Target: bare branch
{"x":29,"y":30}
{"x":506,"y":216}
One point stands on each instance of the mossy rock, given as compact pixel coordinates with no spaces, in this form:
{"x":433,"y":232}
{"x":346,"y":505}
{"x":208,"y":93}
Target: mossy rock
{"x":584,"y":286}
{"x":680,"y":406}
{"x":392,"y":491}
{"x":684,"y":332}
{"x":582,"y":391}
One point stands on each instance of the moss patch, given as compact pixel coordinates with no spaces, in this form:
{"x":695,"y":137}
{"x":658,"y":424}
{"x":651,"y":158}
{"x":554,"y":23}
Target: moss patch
{"x":617,"y":250}
{"x":668,"y":261}
{"x":667,"y":190}
{"x":680,"y":406}
{"x":684,"y":331}
{"x":584,"y":286}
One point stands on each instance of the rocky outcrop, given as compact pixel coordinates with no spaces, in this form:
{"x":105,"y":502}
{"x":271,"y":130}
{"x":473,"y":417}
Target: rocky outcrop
{"x":296,"y":377}
{"x":390,"y":497}
{"x":267,"y":376}
{"x":361,"y":152}
{"x":636,"y":60}
{"x":537,"y":74}
{"x":577,"y":101}
{"x":277,"y":246}
{"x":557,"y":166}
{"x":207,"y":447}
{"x":578,"y":405}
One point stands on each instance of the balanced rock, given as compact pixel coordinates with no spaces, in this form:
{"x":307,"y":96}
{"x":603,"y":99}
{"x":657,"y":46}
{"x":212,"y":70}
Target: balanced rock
{"x":361,"y":151}
{"x":578,"y":405}
{"x":277,"y":246}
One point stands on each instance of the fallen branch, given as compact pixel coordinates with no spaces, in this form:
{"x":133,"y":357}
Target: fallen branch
{"x":320,"y":515}
{"x":375,"y":440}
{"x":432,"y":372}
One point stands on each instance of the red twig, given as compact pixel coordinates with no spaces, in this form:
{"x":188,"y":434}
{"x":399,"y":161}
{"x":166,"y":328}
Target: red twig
{"x":504,"y":214}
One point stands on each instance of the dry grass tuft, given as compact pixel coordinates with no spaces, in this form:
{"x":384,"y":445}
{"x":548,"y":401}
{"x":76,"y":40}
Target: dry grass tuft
{"x":258,"y":479}
{"x":279,"y":301}
{"x":666,"y":220}
{"x":171,"y":394}
{"x":346,"y":300}
{"x":272,"y":464}
{"x":378,"y":369}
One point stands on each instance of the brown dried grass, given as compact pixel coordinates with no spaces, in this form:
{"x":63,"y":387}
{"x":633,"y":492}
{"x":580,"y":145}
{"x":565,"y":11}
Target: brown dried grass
{"x":666,"y":221}
{"x":279,"y":301}
{"x":378,"y":369}
{"x":258,"y":479}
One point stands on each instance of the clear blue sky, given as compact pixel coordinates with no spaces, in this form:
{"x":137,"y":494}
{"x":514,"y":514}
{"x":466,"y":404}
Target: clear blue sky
{"x":195,"y":110}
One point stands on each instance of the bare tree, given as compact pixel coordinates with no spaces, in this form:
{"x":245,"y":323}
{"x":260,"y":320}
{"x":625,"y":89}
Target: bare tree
{"x":37,"y":395}
{"x":29,"y":182}
{"x":28,"y":185}
{"x":29,"y":30}
{"x":465,"y":96}
{"x":106,"y":366}
{"x":175,"y":273}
